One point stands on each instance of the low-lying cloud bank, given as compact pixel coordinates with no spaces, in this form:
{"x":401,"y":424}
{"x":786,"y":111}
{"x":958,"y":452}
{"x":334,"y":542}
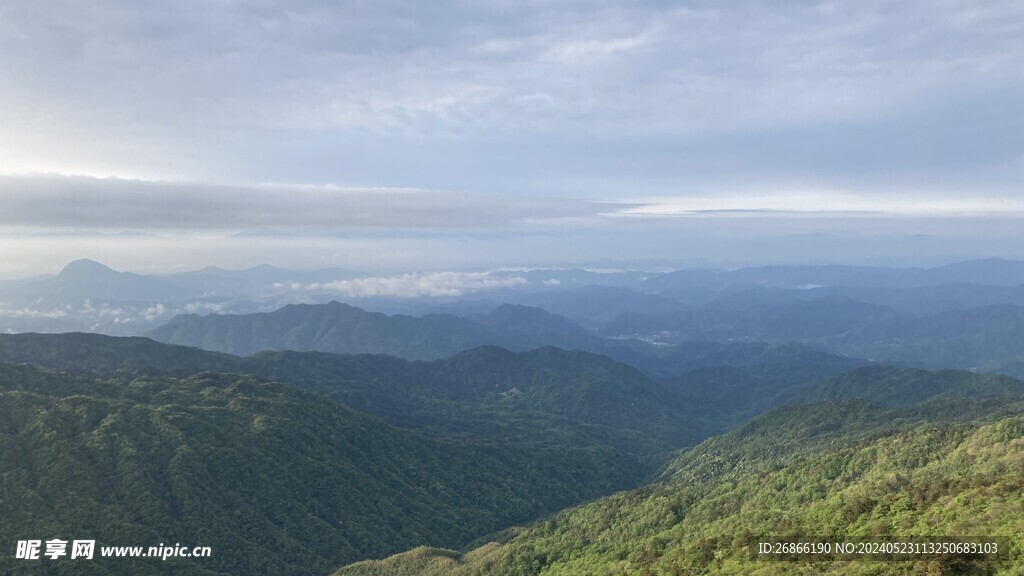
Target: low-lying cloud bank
{"x":50,"y":200}
{"x":440,"y":284}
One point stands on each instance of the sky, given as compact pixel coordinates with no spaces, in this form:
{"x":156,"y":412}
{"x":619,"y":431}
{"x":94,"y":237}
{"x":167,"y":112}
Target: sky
{"x":406,"y":136}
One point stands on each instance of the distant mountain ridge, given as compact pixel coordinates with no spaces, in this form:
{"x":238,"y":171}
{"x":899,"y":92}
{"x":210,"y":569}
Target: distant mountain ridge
{"x":988,"y":338}
{"x":991,"y":271}
{"x":341,"y":328}
{"x":90,"y":296}
{"x":753,"y":319}
{"x":90,"y":279}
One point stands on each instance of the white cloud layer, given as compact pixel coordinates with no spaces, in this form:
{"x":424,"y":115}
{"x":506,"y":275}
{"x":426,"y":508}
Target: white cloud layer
{"x":825,"y":201}
{"x":87,"y":202}
{"x":439,"y":284}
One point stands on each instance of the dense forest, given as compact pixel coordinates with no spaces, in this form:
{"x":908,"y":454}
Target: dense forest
{"x":845,"y":471}
{"x":274,"y":479}
{"x":302,"y":462}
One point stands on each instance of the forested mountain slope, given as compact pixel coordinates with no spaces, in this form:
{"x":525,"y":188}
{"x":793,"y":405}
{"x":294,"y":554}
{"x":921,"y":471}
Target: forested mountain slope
{"x":275,"y":480}
{"x":546,"y":396}
{"x":844,"y":470}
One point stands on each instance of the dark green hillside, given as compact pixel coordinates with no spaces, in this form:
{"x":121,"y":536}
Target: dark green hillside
{"x":97,"y":353}
{"x":548,"y":397}
{"x":576,"y":385}
{"x":844,"y":470}
{"x":896,"y":388}
{"x":618,"y":403}
{"x":275,"y":480}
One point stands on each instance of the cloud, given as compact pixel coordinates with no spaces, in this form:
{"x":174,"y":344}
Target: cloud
{"x":403,"y":66}
{"x":455,"y":95}
{"x":153,"y":313}
{"x":440,"y":284}
{"x":86,"y":202}
{"x":119,"y":314}
{"x":475,"y":121}
{"x":826,"y":202}
{"x":203,"y":308}
{"x":26,"y":312}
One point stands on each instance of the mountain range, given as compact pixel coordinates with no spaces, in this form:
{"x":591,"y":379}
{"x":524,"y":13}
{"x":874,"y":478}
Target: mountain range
{"x":988,"y":338}
{"x":570,"y":422}
{"x":89,"y":296}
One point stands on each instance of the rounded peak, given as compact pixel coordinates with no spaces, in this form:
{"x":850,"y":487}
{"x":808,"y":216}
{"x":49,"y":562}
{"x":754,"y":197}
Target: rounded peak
{"x":85,"y":267}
